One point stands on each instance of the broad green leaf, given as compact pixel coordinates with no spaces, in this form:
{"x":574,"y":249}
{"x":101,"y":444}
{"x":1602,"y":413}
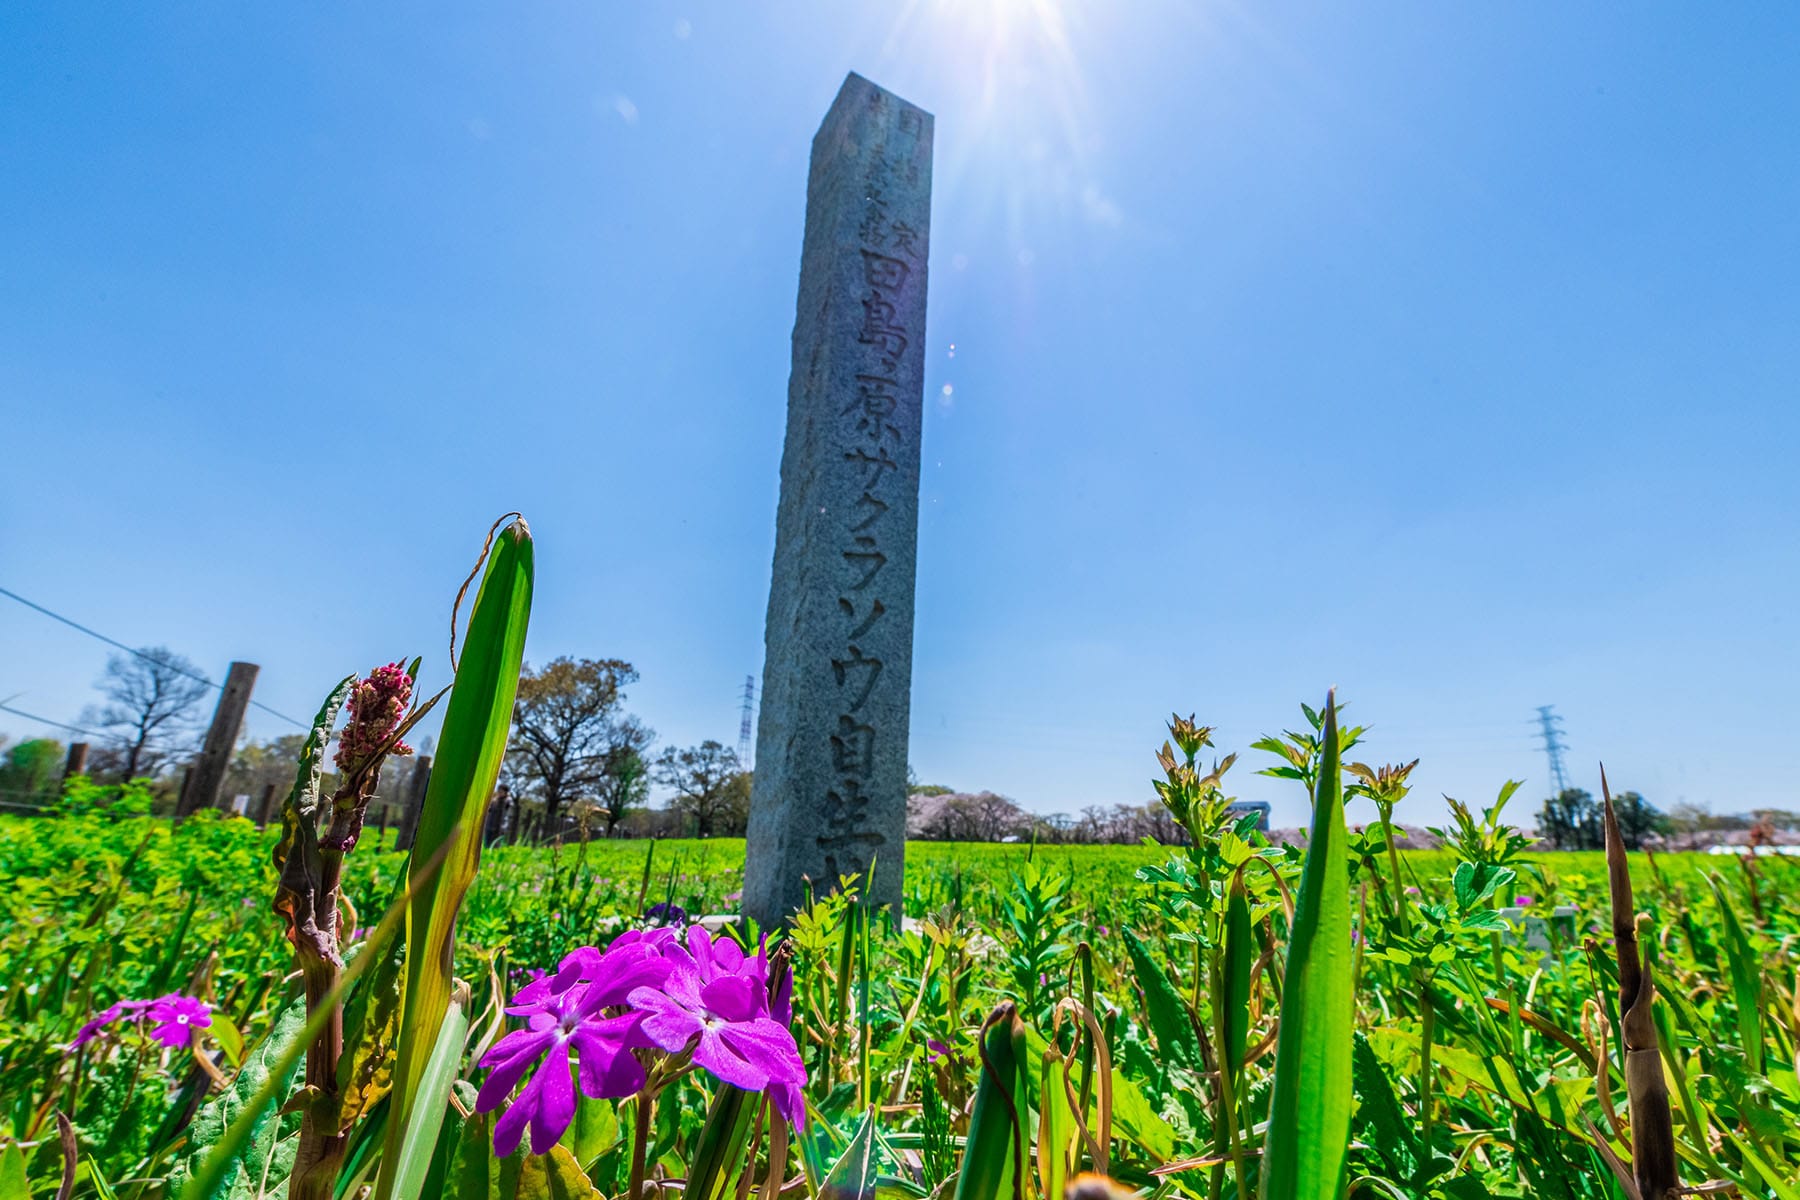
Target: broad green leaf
{"x":13,"y":1183}
{"x":597,"y":1129}
{"x":1139,"y":1121}
{"x":477,"y":722}
{"x":1383,"y":1124}
{"x":1495,"y":1073}
{"x":266,"y":1156}
{"x":1309,"y":1113}
{"x":225,"y":1033}
{"x":852,"y":1177}
{"x":1169,"y":1019}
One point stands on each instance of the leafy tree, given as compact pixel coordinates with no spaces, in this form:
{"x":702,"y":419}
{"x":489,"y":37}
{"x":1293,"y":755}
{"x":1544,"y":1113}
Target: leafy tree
{"x":1571,"y":821}
{"x":1638,"y":819}
{"x":151,"y":714}
{"x":704,"y":778}
{"x":31,"y":771}
{"x":569,"y":732}
{"x":626,"y":783}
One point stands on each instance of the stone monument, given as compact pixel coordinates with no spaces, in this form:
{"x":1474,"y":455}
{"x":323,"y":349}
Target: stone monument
{"x":830,"y":791}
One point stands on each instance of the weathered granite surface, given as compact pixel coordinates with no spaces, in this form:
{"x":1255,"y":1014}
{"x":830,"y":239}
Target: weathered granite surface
{"x":830,"y":791}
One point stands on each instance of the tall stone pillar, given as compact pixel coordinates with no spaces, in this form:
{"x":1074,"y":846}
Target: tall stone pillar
{"x":830,"y":791}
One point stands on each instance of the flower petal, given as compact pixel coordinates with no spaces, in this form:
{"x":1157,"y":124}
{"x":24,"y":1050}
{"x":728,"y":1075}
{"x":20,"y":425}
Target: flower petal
{"x":735,"y":998}
{"x":669,"y":1024}
{"x":608,"y":1069}
{"x":718,"y":1056}
{"x":556,"y":1100}
{"x":508,"y":1061}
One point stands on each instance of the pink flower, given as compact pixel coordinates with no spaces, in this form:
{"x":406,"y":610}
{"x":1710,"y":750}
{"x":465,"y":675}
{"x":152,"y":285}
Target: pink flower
{"x":175,"y":1017}
{"x":377,"y":706}
{"x":1524,"y":901}
{"x":716,"y":1005}
{"x":106,"y":1016}
{"x":567,"y":1018}
{"x":935,"y":1050}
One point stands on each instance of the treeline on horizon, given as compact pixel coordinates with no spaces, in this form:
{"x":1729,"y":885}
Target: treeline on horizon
{"x":580,"y":765}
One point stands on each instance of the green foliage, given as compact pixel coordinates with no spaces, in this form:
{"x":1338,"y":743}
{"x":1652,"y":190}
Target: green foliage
{"x":1470,"y":1049}
{"x":29,"y":771}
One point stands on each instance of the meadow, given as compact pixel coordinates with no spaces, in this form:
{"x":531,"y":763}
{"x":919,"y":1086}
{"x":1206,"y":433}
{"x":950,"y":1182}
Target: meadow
{"x":213,"y":1010}
{"x":94,"y":910}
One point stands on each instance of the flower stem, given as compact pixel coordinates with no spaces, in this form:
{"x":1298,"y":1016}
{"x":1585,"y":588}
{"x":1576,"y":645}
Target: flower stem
{"x":640,"y":1142}
{"x":1428,"y":1015}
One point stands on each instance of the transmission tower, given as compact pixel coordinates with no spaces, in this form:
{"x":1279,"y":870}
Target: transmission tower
{"x":1550,"y":729}
{"x":745,"y":724}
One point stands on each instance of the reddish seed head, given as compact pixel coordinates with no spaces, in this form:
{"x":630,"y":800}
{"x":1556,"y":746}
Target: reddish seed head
{"x":377,"y":706}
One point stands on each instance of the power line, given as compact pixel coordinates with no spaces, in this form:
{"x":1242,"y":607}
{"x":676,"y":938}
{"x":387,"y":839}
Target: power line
{"x":19,"y":712}
{"x":1550,"y":730}
{"x":56,"y":616}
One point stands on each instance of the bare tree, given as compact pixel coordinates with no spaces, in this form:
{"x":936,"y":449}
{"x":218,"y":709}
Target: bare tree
{"x":704,"y":778}
{"x":150,"y":714}
{"x":567,"y":729}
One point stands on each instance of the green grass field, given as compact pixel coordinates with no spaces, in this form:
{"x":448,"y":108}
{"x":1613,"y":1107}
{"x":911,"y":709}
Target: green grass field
{"x":1497,"y":1096}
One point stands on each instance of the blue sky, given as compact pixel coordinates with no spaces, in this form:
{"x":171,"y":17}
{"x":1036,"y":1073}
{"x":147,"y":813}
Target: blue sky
{"x":1449,"y":355}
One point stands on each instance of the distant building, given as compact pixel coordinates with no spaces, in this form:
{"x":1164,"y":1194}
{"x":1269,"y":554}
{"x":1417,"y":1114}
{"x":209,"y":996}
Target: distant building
{"x":1242,"y":808}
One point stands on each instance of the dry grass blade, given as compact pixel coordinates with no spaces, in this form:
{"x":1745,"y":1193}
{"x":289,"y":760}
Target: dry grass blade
{"x":1646,"y":1088}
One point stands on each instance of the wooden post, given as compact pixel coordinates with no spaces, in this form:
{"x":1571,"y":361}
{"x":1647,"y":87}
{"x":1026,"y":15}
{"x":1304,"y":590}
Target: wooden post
{"x":208,"y":774}
{"x":77,"y":761}
{"x":497,"y":814}
{"x":266,"y":811}
{"x":414,"y":804}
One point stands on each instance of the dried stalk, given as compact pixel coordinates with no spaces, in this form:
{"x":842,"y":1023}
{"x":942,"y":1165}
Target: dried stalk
{"x":1646,"y":1089}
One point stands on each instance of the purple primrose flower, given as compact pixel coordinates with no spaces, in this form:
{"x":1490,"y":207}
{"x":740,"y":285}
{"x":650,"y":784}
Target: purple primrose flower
{"x":175,"y":1017}
{"x":650,"y":990}
{"x":567,"y":1016}
{"x":716,"y":1004}
{"x":105,"y":1017}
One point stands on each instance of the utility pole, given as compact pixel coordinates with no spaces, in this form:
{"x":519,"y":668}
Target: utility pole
{"x":207,"y":775}
{"x":745,"y":724}
{"x":1550,"y":729}
{"x":414,"y":804}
